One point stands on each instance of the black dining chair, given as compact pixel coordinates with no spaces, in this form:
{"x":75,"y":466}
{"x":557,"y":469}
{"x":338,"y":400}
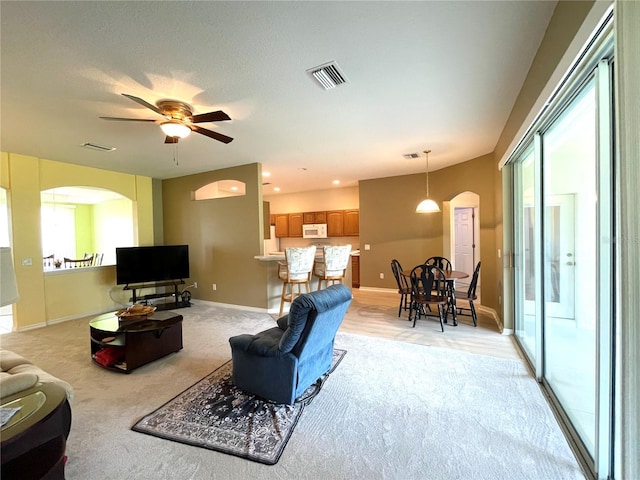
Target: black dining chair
{"x":403,"y":286}
{"x":428,"y":287}
{"x":440,"y":262}
{"x":469,"y":296}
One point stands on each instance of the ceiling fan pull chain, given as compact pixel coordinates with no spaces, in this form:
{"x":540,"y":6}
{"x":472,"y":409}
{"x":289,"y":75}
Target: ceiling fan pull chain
{"x":175,"y":154}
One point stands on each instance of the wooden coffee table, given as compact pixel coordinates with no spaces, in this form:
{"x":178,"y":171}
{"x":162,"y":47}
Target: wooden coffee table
{"x":135,"y":342}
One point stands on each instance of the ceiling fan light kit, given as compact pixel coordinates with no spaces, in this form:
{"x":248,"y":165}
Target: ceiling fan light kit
{"x":174,"y":128}
{"x":427,"y":205}
{"x":179,"y":119}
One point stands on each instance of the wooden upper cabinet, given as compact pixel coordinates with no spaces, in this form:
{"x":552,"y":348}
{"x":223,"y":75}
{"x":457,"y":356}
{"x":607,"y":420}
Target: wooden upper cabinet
{"x":351,"y":222}
{"x":335,"y":223}
{"x":314,"y":217}
{"x":295,"y":224}
{"x":282,"y":225}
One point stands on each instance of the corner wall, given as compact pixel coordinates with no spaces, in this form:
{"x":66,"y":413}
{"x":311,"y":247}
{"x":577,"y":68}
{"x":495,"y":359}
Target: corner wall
{"x":223,"y":234}
{"x":390,"y":225}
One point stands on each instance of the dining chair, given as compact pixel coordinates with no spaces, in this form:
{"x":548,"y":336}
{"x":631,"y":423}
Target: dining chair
{"x":97,"y":258}
{"x":81,"y":262}
{"x":331,"y":268}
{"x":404,"y":289}
{"x":469,"y":296}
{"x":440,"y":262}
{"x":428,"y":288}
{"x":47,"y":262}
{"x":295,"y":272}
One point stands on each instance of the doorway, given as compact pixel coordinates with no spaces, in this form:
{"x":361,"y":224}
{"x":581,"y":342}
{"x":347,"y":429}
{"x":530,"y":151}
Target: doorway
{"x":464,"y":246}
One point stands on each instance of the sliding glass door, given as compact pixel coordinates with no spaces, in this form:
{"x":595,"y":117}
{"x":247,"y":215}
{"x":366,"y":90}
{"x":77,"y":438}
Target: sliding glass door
{"x":563,"y":258}
{"x":570,"y":267}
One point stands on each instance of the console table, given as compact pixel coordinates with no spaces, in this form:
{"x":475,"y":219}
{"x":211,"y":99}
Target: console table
{"x":136,"y":341}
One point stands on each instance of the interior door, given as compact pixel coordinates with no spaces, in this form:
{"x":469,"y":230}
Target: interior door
{"x":559,"y":256}
{"x":464,"y":258}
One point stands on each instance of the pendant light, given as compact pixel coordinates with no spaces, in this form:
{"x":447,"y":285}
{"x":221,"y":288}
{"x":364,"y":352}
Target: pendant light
{"x":427,"y":205}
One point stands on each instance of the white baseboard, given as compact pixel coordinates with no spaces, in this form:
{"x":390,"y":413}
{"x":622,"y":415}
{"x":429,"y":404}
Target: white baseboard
{"x":232,"y":305}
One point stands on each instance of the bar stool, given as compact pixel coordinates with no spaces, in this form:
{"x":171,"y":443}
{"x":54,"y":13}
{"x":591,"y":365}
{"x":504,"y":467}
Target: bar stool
{"x":295,"y":272}
{"x":333,"y":264}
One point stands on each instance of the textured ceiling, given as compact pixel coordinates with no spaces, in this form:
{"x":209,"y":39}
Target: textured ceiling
{"x":437,"y":75}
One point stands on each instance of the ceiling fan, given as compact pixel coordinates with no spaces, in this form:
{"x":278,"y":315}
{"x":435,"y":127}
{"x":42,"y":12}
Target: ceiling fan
{"x":179,"y":119}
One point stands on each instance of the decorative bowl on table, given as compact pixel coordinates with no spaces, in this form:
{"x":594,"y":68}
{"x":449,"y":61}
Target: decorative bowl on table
{"x":136,"y":311}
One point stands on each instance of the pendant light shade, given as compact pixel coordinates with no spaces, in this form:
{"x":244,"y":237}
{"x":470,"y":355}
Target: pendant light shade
{"x":427,"y":205}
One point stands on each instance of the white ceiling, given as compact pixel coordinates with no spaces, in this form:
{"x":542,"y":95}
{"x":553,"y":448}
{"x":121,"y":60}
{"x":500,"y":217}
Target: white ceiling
{"x":437,"y":75}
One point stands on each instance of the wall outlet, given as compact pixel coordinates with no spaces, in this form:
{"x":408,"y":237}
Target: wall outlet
{"x":381,"y":276}
{"x":195,"y":284}
{"x":367,"y":246}
{"x":213,"y":286}
{"x":27,"y":262}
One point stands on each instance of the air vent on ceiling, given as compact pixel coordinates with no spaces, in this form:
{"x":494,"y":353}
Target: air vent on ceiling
{"x":328,"y":75}
{"x":100,"y":148}
{"x":409,"y":156}
{"x":266,"y":183}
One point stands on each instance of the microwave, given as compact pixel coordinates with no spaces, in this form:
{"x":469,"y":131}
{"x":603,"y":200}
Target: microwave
{"x":314,"y":230}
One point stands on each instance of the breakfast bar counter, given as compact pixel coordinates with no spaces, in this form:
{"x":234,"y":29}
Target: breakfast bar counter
{"x":274,"y":284}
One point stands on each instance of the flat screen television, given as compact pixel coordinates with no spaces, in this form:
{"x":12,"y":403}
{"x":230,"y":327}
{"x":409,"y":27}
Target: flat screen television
{"x":151,"y":264}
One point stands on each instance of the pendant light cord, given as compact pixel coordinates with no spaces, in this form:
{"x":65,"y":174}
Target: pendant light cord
{"x":426,"y":153}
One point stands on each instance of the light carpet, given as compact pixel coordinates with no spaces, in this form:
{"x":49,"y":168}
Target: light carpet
{"x":217,"y":415}
{"x":392,"y":410}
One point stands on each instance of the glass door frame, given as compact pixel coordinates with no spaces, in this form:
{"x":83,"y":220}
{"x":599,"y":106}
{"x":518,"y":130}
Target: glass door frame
{"x":596,"y":63}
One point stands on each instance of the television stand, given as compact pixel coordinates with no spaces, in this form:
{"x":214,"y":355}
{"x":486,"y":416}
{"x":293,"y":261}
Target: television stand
{"x":177,"y":297}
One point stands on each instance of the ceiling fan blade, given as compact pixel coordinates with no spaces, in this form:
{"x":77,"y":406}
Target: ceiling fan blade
{"x":119,"y":119}
{"x":144,"y":103}
{"x":210,"y":117}
{"x":171,"y":139}
{"x":215,"y":135}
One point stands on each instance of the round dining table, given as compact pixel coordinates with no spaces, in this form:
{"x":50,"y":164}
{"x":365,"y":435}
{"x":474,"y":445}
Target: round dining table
{"x":450,"y":276}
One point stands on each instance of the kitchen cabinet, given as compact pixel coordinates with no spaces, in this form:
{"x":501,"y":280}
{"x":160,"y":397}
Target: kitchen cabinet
{"x":355,"y":271}
{"x":351,"y":222}
{"x":314,"y":217}
{"x":282,"y":225}
{"x":335,"y":223}
{"x":295,"y":225}
{"x":340,"y":223}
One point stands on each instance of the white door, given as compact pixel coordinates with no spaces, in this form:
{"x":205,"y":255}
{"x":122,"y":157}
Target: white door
{"x":464,"y":259}
{"x":559,"y":253}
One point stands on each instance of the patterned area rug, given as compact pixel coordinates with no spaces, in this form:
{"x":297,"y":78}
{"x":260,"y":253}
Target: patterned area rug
{"x":217,"y":415}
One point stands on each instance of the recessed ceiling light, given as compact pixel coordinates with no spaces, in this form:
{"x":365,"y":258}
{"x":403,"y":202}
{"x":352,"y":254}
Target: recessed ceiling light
{"x":336,"y":182}
{"x":276,"y":189}
{"x":234,"y":188}
{"x":266,"y":174}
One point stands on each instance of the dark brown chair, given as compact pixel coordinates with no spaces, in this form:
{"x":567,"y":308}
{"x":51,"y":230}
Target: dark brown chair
{"x":441,"y":262}
{"x":428,"y":287}
{"x":47,"y":262}
{"x":82,"y":262}
{"x":404,"y":289}
{"x":469,"y":296}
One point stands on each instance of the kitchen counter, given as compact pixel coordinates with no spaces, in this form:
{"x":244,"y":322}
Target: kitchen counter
{"x":279,"y":256}
{"x":274,"y":284}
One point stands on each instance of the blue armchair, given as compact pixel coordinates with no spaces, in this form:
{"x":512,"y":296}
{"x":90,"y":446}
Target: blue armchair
{"x":280,"y":363}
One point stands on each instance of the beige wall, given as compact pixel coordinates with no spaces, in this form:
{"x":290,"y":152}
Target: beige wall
{"x":56,"y":297}
{"x":330,"y":199}
{"x":223,"y":235}
{"x":390,"y":225}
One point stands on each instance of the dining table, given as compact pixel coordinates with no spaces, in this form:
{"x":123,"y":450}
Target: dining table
{"x":450,"y":277}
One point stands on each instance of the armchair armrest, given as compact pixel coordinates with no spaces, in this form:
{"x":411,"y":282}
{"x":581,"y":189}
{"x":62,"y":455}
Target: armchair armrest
{"x":264,"y":343}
